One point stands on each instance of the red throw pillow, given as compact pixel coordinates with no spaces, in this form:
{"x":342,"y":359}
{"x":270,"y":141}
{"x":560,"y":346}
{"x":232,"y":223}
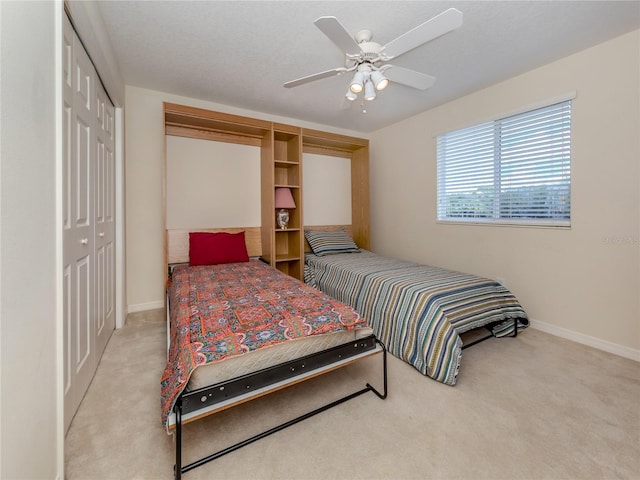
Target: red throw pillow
{"x":214,"y":248}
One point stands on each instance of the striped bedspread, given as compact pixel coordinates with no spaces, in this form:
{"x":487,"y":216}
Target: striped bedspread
{"x":418,"y":311}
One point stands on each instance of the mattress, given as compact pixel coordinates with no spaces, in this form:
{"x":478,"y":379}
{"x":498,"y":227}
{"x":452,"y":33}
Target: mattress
{"x":211,"y":374}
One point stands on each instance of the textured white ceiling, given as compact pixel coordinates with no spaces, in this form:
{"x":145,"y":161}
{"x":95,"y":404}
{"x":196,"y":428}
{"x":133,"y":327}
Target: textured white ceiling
{"x":240,"y":53}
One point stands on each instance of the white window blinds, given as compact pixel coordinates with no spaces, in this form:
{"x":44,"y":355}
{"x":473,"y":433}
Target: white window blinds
{"x":515,"y":170}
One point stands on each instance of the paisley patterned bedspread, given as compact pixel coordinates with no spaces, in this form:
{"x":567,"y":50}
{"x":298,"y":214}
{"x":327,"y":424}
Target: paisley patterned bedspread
{"x":221,"y":311}
{"x":417,"y":311}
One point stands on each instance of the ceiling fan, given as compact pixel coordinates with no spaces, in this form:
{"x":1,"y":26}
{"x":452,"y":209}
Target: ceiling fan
{"x":368,"y":59}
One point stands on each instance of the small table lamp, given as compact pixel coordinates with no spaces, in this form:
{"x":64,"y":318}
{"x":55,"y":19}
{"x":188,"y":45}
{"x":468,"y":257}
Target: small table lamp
{"x":284,"y":200}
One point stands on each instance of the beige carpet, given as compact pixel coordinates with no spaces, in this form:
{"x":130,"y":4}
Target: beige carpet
{"x":535,"y":407}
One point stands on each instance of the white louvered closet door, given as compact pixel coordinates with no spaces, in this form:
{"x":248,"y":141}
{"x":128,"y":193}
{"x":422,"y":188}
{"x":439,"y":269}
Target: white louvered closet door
{"x":88,"y":223}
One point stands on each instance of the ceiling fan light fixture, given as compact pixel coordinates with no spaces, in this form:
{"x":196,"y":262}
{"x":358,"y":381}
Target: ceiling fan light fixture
{"x":369,"y":58}
{"x":369,"y":91}
{"x":357,"y":84}
{"x":379,"y":80}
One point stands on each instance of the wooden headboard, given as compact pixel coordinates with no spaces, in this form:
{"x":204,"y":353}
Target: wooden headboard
{"x":177,"y":242}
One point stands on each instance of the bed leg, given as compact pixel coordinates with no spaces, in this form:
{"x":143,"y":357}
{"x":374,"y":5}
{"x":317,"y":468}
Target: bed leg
{"x":177,"y":468}
{"x":382,"y":395}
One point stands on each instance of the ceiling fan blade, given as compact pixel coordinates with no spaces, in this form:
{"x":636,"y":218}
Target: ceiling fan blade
{"x":315,"y":76}
{"x":410,"y":78}
{"x":333,"y":29}
{"x":439,"y":25}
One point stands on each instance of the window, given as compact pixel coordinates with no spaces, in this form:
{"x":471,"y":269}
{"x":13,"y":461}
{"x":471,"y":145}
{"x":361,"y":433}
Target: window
{"x":515,"y":170}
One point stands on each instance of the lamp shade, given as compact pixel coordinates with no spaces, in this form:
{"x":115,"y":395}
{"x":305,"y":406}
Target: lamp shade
{"x":369,"y":91}
{"x":284,"y":199}
{"x":350,"y":95}
{"x":379,"y":80}
{"x":357,"y":82}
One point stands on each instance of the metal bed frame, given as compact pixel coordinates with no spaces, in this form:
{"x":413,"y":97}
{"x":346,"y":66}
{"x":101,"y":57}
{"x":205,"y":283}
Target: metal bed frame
{"x":211,"y":399}
{"x":220,"y":396}
{"x":191,"y":405}
{"x":489,"y":327}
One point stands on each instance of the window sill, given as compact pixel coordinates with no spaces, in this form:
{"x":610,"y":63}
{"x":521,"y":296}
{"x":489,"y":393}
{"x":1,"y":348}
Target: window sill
{"x":497,"y":223}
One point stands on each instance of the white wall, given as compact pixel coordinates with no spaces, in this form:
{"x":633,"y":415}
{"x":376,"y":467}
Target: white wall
{"x":326,"y":190}
{"x":212,"y":184}
{"x":217,"y":185}
{"x":29,"y":411}
{"x":582,"y":283}
{"x":143,"y":173}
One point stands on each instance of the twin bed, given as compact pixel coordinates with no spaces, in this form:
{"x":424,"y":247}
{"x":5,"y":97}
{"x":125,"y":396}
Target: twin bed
{"x":239,"y":328}
{"x":417,"y":311}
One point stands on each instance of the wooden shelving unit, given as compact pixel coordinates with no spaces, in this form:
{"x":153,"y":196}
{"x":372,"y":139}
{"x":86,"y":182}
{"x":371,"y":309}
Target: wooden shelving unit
{"x":282,"y":161}
{"x":281,"y":150}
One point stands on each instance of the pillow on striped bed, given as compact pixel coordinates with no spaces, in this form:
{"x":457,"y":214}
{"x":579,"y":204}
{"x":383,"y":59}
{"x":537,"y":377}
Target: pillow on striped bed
{"x":327,"y":243}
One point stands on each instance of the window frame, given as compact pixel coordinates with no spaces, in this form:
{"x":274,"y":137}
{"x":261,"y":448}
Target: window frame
{"x":497,"y":217}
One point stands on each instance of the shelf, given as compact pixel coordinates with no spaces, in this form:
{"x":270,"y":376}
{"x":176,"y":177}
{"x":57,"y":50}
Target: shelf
{"x":288,"y":244}
{"x":289,"y":174}
{"x":287,"y":258}
{"x":290,"y":267}
{"x":286,"y":163}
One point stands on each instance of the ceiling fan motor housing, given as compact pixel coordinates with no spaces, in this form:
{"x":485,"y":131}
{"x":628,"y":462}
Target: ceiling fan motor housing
{"x":363,"y":36}
{"x":370,"y":51}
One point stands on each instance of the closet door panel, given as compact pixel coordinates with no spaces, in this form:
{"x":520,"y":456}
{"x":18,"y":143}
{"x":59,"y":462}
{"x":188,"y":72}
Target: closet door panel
{"x":83,"y":328}
{"x":82,"y":176}
{"x":68,"y":277}
{"x":69,"y":313}
{"x":105,"y":229}
{"x":87,"y":221}
{"x":99,"y":216}
{"x":83,"y":247}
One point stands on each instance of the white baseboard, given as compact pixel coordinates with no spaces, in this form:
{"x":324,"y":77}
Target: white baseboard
{"x":616,"y":349}
{"x":140,"y":307}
